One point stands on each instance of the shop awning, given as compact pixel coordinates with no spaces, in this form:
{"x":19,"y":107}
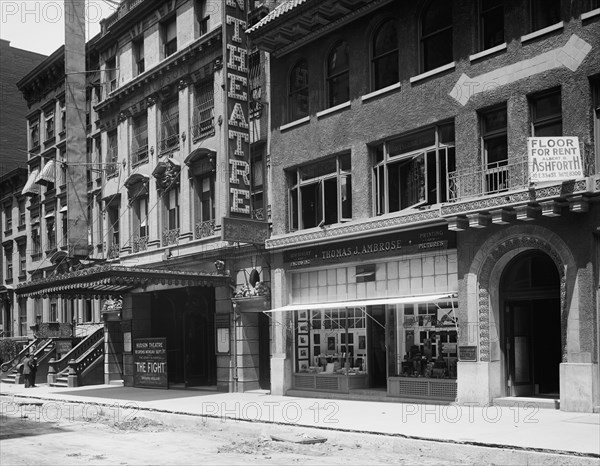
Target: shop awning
{"x":105,"y":281}
{"x":365,"y":302}
{"x":31,"y":188}
{"x":48,"y":173}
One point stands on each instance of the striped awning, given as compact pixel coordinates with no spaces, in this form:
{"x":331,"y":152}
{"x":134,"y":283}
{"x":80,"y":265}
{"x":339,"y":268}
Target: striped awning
{"x":48,"y":173}
{"x":105,"y":281}
{"x":31,"y":188}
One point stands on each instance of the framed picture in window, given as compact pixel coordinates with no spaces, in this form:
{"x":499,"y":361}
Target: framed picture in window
{"x":361,"y":342}
{"x":303,"y":366}
{"x":302,"y":327}
{"x":302,"y":340}
{"x":330,"y":343}
{"x":302,"y":353}
{"x":302,"y":315}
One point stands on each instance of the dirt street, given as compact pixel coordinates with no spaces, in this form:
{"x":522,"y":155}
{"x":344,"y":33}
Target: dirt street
{"x":76,"y":434}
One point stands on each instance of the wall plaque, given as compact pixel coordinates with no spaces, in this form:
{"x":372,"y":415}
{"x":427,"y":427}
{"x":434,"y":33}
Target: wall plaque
{"x":467,"y":353}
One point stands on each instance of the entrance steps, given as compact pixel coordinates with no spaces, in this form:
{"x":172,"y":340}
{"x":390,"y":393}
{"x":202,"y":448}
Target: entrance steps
{"x":528,"y":402}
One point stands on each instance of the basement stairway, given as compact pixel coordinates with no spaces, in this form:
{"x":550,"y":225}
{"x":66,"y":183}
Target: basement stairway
{"x":44,"y":351}
{"x":83,"y":365}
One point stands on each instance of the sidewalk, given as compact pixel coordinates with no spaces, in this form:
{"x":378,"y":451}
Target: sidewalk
{"x":523,"y":428}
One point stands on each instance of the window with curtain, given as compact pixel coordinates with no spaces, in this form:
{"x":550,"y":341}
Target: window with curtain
{"x":385,"y":56}
{"x":298,"y":91}
{"x":338,"y":75}
{"x":436,"y":34}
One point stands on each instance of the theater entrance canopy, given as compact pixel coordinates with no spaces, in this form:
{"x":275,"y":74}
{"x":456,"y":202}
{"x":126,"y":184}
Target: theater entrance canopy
{"x":107,"y":281}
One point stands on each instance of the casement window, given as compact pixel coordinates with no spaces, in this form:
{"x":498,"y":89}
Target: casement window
{"x":111,"y":76}
{"x":138,"y":54}
{"x":494,"y":145}
{"x":34,"y":134}
{"x":491,"y":23}
{"x":141,"y":216}
{"x":338,"y":75}
{"x":22,"y":260}
{"x":202,"y":17}
{"x":169,"y":130}
{"x":411,"y":171}
{"x":204,"y":107}
{"x":169,"y":36}
{"x":139,"y":138}
{"x":546,"y":114}
{"x":49,"y":124}
{"x":172,"y":208}
{"x":298,"y":91}
{"x":436,"y":34}
{"x":320,"y":193}
{"x":8,"y":255}
{"x":112,"y":153}
{"x":543,"y":13}
{"x":385,"y":56}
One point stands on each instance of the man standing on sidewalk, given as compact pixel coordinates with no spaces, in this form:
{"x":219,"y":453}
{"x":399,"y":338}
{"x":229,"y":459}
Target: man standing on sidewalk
{"x":27,"y":370}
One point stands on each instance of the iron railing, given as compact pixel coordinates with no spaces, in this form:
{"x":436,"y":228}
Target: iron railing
{"x":170,"y":237}
{"x":139,"y":243}
{"x":204,"y":229}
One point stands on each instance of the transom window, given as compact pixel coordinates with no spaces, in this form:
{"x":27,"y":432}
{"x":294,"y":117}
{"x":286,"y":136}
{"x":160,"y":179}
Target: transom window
{"x":491,"y":23}
{"x":298,"y":91}
{"x":385,"y":56}
{"x":338,"y":75}
{"x":436,"y":34}
{"x":411,"y":171}
{"x":546,"y":114}
{"x":321,"y":193}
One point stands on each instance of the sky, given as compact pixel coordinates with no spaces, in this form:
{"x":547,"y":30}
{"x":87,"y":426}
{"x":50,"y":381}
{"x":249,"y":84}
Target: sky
{"x":38,"y":26}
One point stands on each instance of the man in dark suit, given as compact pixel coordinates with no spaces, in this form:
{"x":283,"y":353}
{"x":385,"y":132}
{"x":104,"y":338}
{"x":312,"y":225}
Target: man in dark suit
{"x":27,"y":371}
{"x":32,"y":370}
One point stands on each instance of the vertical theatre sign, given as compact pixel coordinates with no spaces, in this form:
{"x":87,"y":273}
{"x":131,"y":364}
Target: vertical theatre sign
{"x":236,"y":69}
{"x":554,"y":158}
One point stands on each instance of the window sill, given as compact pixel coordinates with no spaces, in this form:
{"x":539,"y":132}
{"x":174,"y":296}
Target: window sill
{"x":438,"y":70}
{"x":542,"y":32}
{"x":294,"y":123}
{"x":590,"y":14}
{"x":378,"y":92}
{"x":21,"y":227}
{"x":486,"y":52}
{"x":330,"y":110}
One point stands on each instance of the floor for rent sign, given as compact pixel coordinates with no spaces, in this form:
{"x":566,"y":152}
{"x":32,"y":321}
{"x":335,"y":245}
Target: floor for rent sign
{"x":554,"y":158}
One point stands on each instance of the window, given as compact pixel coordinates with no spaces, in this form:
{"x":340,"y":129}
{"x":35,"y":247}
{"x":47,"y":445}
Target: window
{"x":138,"y":54}
{"x":257,"y":185}
{"x":543,"y":13}
{"x":22,"y":218}
{"x":53,"y":310}
{"x":298,"y":93}
{"x":8,"y":253}
{"x":385,"y":56}
{"x":49,"y":118}
{"x":201,"y":18}
{"x":139,"y":138}
{"x":8,"y":217}
{"x":172,"y":208}
{"x":436,"y":34}
{"x":112,"y":153}
{"x":596,"y":112}
{"x":204,"y":105}
{"x":111,"y":75}
{"x":22,"y":260}
{"x":169,"y":37}
{"x":338,"y":75}
{"x":411,"y":171}
{"x":491,"y":23}
{"x":38,"y":310}
{"x":34,"y":134}
{"x":141,"y":216}
{"x":65,"y":228}
{"x":63,"y":117}
{"x":36,"y":240}
{"x":169,"y":125}
{"x":495,"y":149}
{"x":50,"y":233}
{"x":321,"y":193}
{"x":205,"y":187}
{"x":546,"y":114}
{"x":88,"y":315}
{"x":23,"y":316}
{"x":113,"y":228}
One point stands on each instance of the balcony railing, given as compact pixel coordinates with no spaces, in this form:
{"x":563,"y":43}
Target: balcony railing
{"x":139,"y":243}
{"x":113,"y":251}
{"x":170,"y":237}
{"x":490,"y":179}
{"x":169,"y":142}
{"x":204,"y":229}
{"x":139,"y":154}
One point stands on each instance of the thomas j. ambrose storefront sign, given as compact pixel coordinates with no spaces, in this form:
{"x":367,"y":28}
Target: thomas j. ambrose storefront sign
{"x":394,"y":244}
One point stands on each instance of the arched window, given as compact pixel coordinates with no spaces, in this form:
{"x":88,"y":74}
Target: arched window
{"x":436,"y":34}
{"x":338,"y":75}
{"x":298,"y":91}
{"x":385,"y":56}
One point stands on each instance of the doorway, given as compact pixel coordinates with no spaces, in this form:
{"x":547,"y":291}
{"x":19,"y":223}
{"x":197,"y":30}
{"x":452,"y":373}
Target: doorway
{"x":530,"y":290}
{"x":377,"y":347}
